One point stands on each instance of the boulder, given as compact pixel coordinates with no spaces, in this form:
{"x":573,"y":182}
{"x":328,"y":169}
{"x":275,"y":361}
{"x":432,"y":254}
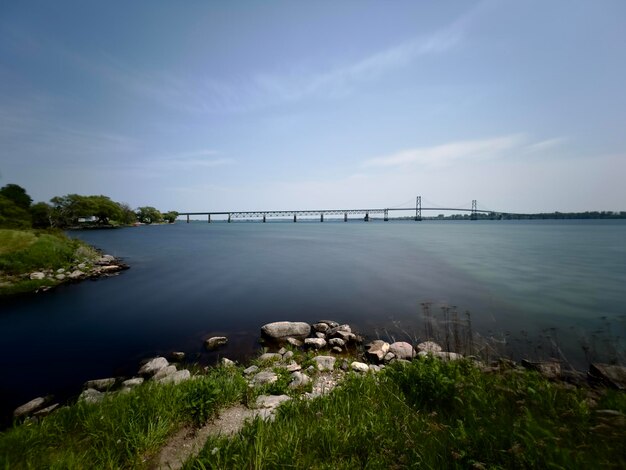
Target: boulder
{"x":30,"y":407}
{"x":37,"y":275}
{"x":46,"y":411}
{"x":59,"y":277}
{"x":315,"y":343}
{"x":389,"y":357}
{"x":227,"y":362}
{"x":282,"y":330}
{"x":340,"y":328}
{"x":330,"y":323}
{"x":130,"y":383}
{"x":292,"y":367}
{"x":296,"y":343}
{"x":105,"y":259}
{"x":298,"y":379}
{"x":153,"y":366}
{"x":60,"y":271}
{"x":282,"y":351}
{"x":336,"y":350}
{"x":428,"y":346}
{"x":377,"y":349}
{"x":337,"y":342}
{"x":270,"y":357}
{"x":549,"y":369}
{"x":446,"y":356}
{"x":271,"y":401}
{"x":402,"y":350}
{"x":162,"y":373}
{"x":359,"y":366}
{"x":91,"y":396}
{"x":345,"y":335}
{"x":250,"y":370}
{"x":320,"y":335}
{"x":176,"y":378}
{"x":321,"y":327}
{"x":76,"y":274}
{"x":288,"y":355}
{"x":178,"y":356}
{"x":101,"y":385}
{"x":215,"y":342}
{"x":264,"y":377}
{"x":111,"y":268}
{"x":325,"y":362}
{"x":612,"y":375}
{"x":374,"y":368}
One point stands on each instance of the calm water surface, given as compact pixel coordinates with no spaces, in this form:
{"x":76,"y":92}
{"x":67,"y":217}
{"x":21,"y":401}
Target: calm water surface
{"x":536,"y":288}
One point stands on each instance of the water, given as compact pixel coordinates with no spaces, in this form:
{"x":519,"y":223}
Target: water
{"x":536,"y":288}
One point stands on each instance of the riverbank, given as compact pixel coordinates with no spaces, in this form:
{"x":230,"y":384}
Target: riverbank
{"x":316,"y":397}
{"x":38,"y":260}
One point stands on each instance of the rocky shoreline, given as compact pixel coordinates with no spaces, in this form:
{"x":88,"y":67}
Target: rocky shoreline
{"x":334,"y":350}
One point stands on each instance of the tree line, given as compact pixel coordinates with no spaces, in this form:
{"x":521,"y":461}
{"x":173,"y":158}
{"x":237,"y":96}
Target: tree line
{"x":72,"y":210}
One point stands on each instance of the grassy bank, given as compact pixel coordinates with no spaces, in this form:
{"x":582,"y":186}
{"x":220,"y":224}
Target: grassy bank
{"x":25,"y":251}
{"x":426,"y":414}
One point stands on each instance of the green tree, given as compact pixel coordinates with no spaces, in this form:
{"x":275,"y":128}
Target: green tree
{"x":12,"y":215}
{"x":104,"y":209}
{"x":149,"y":215}
{"x":17,"y":194}
{"x":128,"y":215}
{"x":41,"y":214}
{"x":170,"y":216}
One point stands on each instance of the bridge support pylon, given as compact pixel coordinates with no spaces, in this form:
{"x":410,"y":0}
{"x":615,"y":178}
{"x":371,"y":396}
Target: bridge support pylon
{"x":386,"y":217}
{"x":229,"y":218}
{"x":209,"y":218}
{"x":294,"y":218}
{"x":367,"y":217}
{"x":263,"y":218}
{"x":345,"y":217}
{"x":474,"y":215}
{"x":322,"y":217}
{"x":187,"y":218}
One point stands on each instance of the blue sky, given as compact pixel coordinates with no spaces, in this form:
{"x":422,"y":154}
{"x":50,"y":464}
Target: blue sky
{"x":291,"y":105}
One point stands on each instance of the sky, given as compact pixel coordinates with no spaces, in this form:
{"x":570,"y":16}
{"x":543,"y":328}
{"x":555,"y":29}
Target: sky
{"x":267,"y":105}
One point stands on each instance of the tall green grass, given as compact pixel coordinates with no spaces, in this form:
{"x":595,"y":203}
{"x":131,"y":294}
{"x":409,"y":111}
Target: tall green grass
{"x":432,"y":414}
{"x":124,"y":430}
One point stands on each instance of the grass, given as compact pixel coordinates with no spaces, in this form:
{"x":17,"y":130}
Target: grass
{"x":432,"y":414}
{"x":124,"y":430}
{"x":25,"y":251}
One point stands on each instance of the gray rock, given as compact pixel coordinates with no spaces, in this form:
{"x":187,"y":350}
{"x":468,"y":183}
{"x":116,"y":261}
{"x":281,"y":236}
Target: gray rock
{"x":389,"y":357}
{"x":282,"y":351}
{"x":30,"y":407}
{"x":46,"y":411}
{"x":345,"y":335}
{"x":282,"y":330}
{"x":374,"y":368}
{"x":402,"y":350}
{"x":76,"y":274}
{"x":101,"y":384}
{"x":105,"y":259}
{"x":299,"y":380}
{"x":111,"y":268}
{"x":153,"y":366}
{"x":337,"y":342}
{"x":288,"y":355}
{"x":215,"y":342}
{"x":330,"y":323}
{"x":227,"y":362}
{"x":250,"y":370}
{"x":428,"y":346}
{"x":91,"y":396}
{"x":296,"y":343}
{"x":359,"y":366}
{"x":321,"y":327}
{"x":336,"y":350}
{"x":270,"y":357}
{"x":325,"y":362}
{"x":264,"y":377}
{"x":60,"y":271}
{"x":271,"y":401}
{"x":549,"y":369}
{"x":81,"y":266}
{"x":177,"y":377}
{"x":292,"y":367}
{"x":162,"y":373}
{"x":59,"y":277}
{"x":340,"y":328}
{"x":130,"y":383}
{"x":344,"y":365}
{"x":612,"y":375}
{"x":444,"y":355}
{"x":315,"y":343}
{"x":37,"y":276}
{"x":377,"y":349}
{"x":319,"y":335}
{"x":178,"y":356}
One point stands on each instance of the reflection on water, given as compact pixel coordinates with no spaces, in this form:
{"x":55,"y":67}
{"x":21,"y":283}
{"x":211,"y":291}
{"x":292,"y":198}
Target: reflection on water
{"x":535,"y":288}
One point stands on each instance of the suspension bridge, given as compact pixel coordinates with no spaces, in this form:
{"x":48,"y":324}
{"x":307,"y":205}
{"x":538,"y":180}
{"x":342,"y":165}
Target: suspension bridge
{"x":321,"y":213}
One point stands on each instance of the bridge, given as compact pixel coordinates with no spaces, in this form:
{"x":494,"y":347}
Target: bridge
{"x":264,"y":215}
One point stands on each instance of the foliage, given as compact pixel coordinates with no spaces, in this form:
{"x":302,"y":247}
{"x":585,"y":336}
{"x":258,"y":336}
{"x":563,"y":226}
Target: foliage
{"x":170,"y":217}
{"x":149,"y":215}
{"x":41,"y":214}
{"x":120,"y":432}
{"x":17,"y":194}
{"x":67,"y":210}
{"x":128,"y":215}
{"x":12,"y":215}
{"x":513,"y":419}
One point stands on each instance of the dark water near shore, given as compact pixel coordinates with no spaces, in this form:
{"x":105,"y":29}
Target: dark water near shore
{"x":536,"y":288}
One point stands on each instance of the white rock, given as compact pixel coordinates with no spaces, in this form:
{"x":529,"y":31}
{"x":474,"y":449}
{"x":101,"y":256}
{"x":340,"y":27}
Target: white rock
{"x":428,"y":346}
{"x":162,"y":373}
{"x":37,"y":276}
{"x":76,"y":274}
{"x":100,"y":384}
{"x":91,"y":396}
{"x":59,"y":277}
{"x":389,"y":356}
{"x":28,"y":408}
{"x":359,"y":366}
{"x":215,"y":342}
{"x":271,"y":401}
{"x":130,"y":383}
{"x":315,"y":343}
{"x":264,"y":377}
{"x":227,"y":362}
{"x":325,"y":362}
{"x":250,"y":370}
{"x":294,"y":342}
{"x":402,"y":350}
{"x":270,"y":357}
{"x":298,"y":379}
{"x":177,"y":377}
{"x":337,"y":342}
{"x":60,"y":271}
{"x":153,"y":366}
{"x":285,"y":329}
{"x":288,"y":355}
{"x":378,"y":349}
{"x":321,"y":327}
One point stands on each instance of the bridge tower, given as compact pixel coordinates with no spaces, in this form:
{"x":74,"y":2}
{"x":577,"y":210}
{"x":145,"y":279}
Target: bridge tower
{"x":367,"y":217}
{"x":345,"y":216}
{"x":209,"y":218}
{"x":229,"y":218}
{"x":386,"y":217}
{"x":474,"y":215}
{"x":263,"y":218}
{"x":418,"y":209}
{"x":322,"y":217}
{"x":294,"y":218}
